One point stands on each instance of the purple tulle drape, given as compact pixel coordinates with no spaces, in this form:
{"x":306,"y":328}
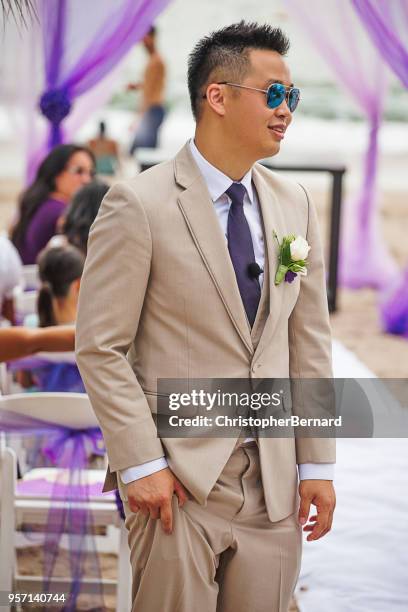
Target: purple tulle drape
{"x":69,"y":450}
{"x":387,"y":26}
{"x":81,"y":47}
{"x":335,"y":31}
{"x":394,"y":308}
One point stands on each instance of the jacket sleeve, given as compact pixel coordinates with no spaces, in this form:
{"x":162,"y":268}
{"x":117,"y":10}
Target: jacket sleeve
{"x":310,"y":350}
{"x":113,"y":287}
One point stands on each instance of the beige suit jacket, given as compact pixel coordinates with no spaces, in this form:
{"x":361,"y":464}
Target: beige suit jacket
{"x":159,"y":299}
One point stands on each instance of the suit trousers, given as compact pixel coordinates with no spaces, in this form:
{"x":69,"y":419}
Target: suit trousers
{"x":223,"y":557}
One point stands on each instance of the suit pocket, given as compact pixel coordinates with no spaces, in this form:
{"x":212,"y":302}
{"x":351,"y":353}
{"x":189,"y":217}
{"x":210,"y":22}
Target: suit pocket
{"x":158,"y":402}
{"x":154,"y":393}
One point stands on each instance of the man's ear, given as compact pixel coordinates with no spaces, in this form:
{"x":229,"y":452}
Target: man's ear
{"x":215,"y":98}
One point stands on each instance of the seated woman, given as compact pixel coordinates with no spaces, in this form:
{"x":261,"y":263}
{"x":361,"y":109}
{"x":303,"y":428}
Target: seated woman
{"x":65,"y":170}
{"x":60,"y":271}
{"x":81,"y":213}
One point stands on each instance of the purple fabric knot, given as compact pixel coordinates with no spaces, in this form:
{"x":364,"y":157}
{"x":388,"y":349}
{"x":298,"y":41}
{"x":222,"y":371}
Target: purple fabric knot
{"x":71,"y":448}
{"x":55,"y":105}
{"x":290,"y":276}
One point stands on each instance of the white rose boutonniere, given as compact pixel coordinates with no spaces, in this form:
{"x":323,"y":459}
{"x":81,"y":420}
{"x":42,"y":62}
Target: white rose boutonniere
{"x":293,"y":252}
{"x":299,"y":249}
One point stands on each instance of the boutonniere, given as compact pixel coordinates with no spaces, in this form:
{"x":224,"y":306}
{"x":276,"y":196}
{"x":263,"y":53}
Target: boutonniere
{"x":293,"y":252}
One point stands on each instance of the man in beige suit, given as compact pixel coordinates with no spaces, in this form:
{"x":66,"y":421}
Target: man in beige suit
{"x":168,"y":292}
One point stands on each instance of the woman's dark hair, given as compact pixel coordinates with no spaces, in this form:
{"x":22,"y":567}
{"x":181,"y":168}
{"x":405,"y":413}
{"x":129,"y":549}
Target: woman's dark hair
{"x":44,"y":184}
{"x":58,"y":268}
{"x":224,"y":54}
{"x":82,"y":212}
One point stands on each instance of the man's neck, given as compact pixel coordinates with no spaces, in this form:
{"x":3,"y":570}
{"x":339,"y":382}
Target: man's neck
{"x":222,"y":156}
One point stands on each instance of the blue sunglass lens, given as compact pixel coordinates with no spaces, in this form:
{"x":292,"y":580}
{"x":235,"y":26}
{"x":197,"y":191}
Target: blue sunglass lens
{"x":277,"y":94}
{"x":293,"y":99}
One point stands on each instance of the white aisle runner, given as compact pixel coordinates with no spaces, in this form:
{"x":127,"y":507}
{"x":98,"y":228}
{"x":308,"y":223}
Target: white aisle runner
{"x":362,"y":564}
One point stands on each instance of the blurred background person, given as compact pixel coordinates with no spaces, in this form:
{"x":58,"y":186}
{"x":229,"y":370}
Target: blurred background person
{"x":60,"y":270}
{"x":11,"y":275}
{"x":65,"y":169}
{"x":81,"y":213}
{"x":106,"y":152}
{"x":152,"y":88}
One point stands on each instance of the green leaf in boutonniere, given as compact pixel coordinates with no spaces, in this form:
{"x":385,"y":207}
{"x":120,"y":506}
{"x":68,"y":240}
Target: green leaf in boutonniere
{"x":293,"y":252}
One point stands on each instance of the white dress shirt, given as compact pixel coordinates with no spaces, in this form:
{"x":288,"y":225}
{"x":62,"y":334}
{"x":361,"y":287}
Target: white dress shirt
{"x":218,"y":183}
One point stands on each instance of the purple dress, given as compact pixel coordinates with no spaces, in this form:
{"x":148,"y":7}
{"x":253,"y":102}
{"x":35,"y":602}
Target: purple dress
{"x":40,"y":230}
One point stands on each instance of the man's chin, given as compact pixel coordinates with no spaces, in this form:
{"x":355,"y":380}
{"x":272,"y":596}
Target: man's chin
{"x":270,"y":150}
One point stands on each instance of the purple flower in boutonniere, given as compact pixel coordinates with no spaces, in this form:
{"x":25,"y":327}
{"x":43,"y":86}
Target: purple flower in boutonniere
{"x":293,"y":252}
{"x":290,"y":276}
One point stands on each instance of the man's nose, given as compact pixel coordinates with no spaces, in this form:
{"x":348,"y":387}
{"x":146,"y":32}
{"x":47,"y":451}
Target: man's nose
{"x":283,"y":112}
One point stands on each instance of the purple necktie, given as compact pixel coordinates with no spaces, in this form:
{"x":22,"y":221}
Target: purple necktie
{"x":241,"y":251}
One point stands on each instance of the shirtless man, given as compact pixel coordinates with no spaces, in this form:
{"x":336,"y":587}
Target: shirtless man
{"x":106,"y":152}
{"x":152,"y":89}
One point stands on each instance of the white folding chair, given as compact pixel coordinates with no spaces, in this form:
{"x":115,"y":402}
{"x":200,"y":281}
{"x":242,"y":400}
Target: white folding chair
{"x":71,"y":410}
{"x":8,"y":475}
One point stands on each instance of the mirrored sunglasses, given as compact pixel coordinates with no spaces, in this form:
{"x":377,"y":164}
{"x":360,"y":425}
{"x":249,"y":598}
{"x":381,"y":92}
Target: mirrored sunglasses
{"x":275,"y":94}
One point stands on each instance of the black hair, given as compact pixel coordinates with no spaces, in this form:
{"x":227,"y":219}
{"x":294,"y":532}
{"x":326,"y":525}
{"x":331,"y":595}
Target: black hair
{"x":224,"y":55}
{"x":151,"y":31}
{"x":58,"y":268}
{"x":44,"y":184}
{"x":102,"y":128}
{"x":82,"y":212}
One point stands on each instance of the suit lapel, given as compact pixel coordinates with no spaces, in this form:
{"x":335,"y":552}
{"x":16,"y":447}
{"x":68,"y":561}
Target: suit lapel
{"x":198,"y":210}
{"x":272,"y":216}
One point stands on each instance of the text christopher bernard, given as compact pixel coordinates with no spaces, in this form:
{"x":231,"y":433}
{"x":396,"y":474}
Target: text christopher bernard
{"x":253,"y":421}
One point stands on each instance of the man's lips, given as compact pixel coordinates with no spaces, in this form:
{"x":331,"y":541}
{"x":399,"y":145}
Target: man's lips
{"x":278,"y":130}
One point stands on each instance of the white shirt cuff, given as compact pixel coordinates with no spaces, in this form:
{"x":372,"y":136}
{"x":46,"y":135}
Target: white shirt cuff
{"x":316,"y":471}
{"x":142,"y":470}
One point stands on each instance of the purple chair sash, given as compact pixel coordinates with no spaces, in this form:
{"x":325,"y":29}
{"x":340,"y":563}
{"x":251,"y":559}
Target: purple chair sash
{"x":69,"y":449}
